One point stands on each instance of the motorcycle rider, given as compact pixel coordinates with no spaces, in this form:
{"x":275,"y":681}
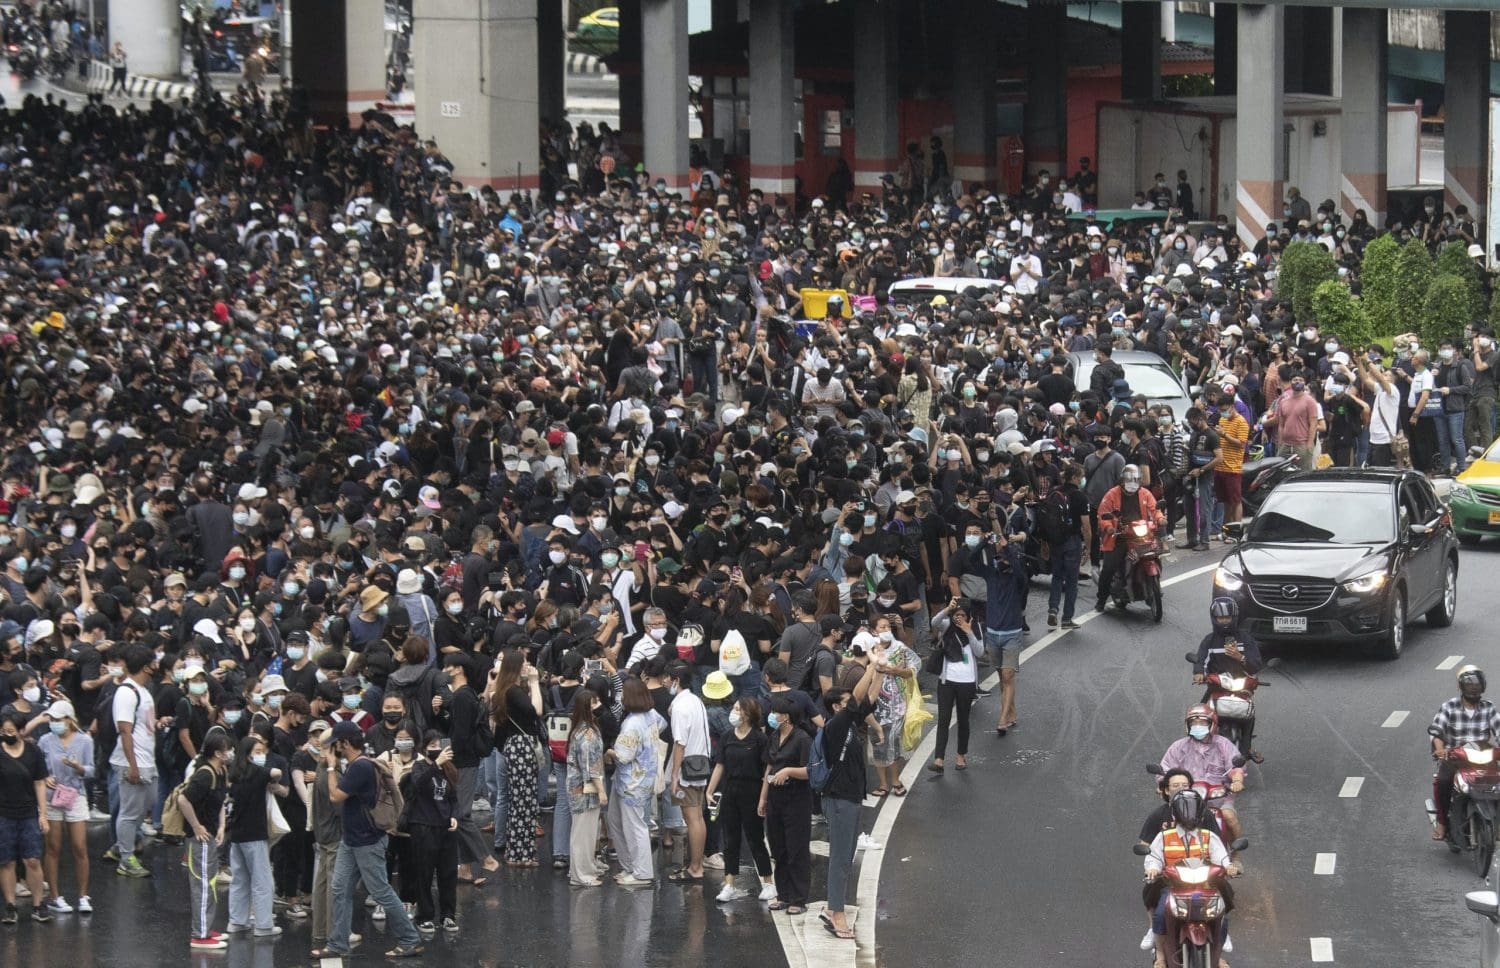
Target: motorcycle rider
{"x":1466,"y":718}
{"x":1210,"y":758}
{"x":1169,"y":784}
{"x":1127,"y":501}
{"x":1227,"y":649}
{"x":1187,"y":838}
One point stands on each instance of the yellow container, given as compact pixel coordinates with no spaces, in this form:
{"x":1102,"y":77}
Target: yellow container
{"x":815,"y":303}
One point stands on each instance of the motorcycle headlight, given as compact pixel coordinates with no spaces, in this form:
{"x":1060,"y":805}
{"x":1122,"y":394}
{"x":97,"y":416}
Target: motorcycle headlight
{"x":1181,"y":907}
{"x":1215,"y":907}
{"x":1460,"y":492}
{"x":1460,"y":784}
{"x":1227,"y":580}
{"x":1365,"y":584}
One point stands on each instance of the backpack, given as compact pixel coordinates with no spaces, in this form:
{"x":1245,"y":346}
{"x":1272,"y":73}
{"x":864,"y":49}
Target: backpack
{"x":558,"y":724}
{"x":385,"y":816}
{"x":172,"y":822}
{"x":106,"y":731}
{"x":810,"y":676}
{"x":1054,"y":516}
{"x":819,"y":771}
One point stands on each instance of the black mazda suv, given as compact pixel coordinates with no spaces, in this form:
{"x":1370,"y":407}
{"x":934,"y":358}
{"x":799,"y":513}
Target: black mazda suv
{"x":1344,"y":555}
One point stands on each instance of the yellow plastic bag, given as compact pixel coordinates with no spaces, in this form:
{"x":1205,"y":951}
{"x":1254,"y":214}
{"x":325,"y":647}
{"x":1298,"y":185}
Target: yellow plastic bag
{"x":917,"y":716}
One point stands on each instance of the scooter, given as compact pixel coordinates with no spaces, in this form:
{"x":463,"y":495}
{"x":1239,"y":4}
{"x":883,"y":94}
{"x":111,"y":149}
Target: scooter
{"x":1259,"y":477}
{"x":1141,"y":578}
{"x":1214,"y":794}
{"x":1471,"y":814}
{"x":1233,"y":700}
{"x":22,"y":60}
{"x":1195,"y":909}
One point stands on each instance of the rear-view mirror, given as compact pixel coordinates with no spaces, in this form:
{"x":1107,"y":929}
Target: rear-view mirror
{"x":1141,"y":850}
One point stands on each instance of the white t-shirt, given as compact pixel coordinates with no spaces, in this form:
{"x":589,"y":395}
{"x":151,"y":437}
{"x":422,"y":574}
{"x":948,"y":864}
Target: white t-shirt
{"x":645,"y":648}
{"x":142,"y":717}
{"x":621,"y":587}
{"x":690,"y":728}
{"x":1385,"y":419}
{"x":1419,"y":382}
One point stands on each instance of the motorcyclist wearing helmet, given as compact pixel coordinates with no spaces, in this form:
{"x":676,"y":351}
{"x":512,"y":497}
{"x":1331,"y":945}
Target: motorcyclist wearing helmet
{"x":1127,"y":501}
{"x":1466,"y":718}
{"x":1228,"y":649}
{"x":1187,"y":837}
{"x":1210,"y":758}
{"x":1168,"y":785}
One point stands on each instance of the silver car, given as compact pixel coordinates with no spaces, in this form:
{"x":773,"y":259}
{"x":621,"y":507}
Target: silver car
{"x":1486,"y":904}
{"x":1146,"y":373}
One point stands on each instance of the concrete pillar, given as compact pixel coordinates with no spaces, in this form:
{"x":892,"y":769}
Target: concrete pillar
{"x":632,"y":105}
{"x":1046,"y":117}
{"x":151,"y":31}
{"x":1169,"y":21}
{"x":1308,"y":37}
{"x":339,"y":57}
{"x":664,"y":89}
{"x":1466,"y":92}
{"x":1362,"y":128}
{"x":1226,"y":48}
{"x":974,"y":94}
{"x":551,"y":59}
{"x":773,"y":98}
{"x":476,"y":88}
{"x":877,"y":149}
{"x":1140,"y":51}
{"x":1258,"y":139}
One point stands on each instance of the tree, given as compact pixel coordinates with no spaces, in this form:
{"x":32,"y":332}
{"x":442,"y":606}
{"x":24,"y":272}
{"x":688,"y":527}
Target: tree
{"x":1340,"y":314}
{"x":1377,"y":279}
{"x":1454,"y":260}
{"x":1414,"y":273}
{"x":1445,"y":310}
{"x":1303,"y":266}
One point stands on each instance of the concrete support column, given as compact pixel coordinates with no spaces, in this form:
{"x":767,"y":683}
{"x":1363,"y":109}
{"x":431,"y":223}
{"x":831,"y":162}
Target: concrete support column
{"x":773,"y":99}
{"x":476,"y":88}
{"x":1466,"y":92}
{"x":1362,"y":129}
{"x":876,"y":129}
{"x":1308,"y":37}
{"x":1140,"y":51}
{"x":664,"y":90}
{"x":1169,"y":21}
{"x":1258,"y":139}
{"x":1046,"y":118}
{"x":1226,"y":48}
{"x":974,"y":94}
{"x":551,"y":59}
{"x":151,"y":31}
{"x":338,"y":57}
{"x":632,"y":105}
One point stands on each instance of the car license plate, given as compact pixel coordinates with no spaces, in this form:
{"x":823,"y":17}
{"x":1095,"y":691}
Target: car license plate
{"x":1289,"y":623}
{"x":1495,"y":517}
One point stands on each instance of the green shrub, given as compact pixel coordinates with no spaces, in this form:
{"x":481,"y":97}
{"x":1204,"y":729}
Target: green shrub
{"x":1377,"y":278}
{"x":1445,"y":310}
{"x":1339,"y":313}
{"x":1414,"y":273}
{"x":1453,"y":260}
{"x":1303,"y":266}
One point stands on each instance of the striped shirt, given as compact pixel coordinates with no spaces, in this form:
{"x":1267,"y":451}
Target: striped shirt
{"x":1457,"y":723}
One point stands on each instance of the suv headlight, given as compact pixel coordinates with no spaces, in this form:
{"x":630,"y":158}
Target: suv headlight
{"x":1227,"y":580}
{"x":1365,"y":584}
{"x":1460,"y":492}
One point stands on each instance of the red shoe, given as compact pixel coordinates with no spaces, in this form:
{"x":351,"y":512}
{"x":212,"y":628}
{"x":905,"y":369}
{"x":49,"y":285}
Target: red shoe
{"x":212,"y":943}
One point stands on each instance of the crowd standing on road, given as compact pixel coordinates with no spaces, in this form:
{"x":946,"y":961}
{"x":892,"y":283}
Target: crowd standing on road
{"x":338,"y":499}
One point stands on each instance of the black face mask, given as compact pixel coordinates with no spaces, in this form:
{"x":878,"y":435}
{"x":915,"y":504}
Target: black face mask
{"x":391,"y":718}
{"x":434,"y":754}
{"x":1101,"y":444}
{"x":11,"y":739}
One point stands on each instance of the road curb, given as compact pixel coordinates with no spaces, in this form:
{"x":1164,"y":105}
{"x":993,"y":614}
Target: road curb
{"x":138,"y":86}
{"x":586,"y":64}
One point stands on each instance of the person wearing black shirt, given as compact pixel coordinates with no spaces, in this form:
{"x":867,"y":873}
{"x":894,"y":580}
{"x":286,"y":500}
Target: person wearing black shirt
{"x":23,"y":817}
{"x":433,"y":827}
{"x":469,"y":730}
{"x":1056,"y":386}
{"x":250,"y":890}
{"x":202,"y":805}
{"x":847,"y":785}
{"x":1063,"y":522}
{"x":736,"y":779}
{"x":1172,"y":783}
{"x":786,"y":802}
{"x":516,"y":707}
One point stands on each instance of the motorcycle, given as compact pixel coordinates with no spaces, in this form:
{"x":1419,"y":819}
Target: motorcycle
{"x":22,"y":60}
{"x":1471,"y":814}
{"x":1194,"y":909}
{"x":1259,"y":477}
{"x":1214,"y":794}
{"x":1233,"y":700}
{"x":1140,"y":580}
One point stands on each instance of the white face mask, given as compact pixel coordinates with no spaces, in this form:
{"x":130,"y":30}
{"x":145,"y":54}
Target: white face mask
{"x":307,"y":533}
{"x":557,"y":557}
{"x":599,"y":524}
{"x":658,"y":634}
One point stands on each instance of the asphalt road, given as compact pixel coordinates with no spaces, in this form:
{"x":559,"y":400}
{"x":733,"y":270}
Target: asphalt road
{"x":1025,"y":859}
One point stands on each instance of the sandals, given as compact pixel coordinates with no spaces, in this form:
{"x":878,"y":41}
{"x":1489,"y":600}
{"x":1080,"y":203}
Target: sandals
{"x":844,"y":935}
{"x":796,"y":909}
{"x":960,"y":767}
{"x":879,"y":792}
{"x":318,"y":954}
{"x":899,"y":790}
{"x":411,"y":952}
{"x":778,"y":905}
{"x":936,"y":766}
{"x":681,"y":875}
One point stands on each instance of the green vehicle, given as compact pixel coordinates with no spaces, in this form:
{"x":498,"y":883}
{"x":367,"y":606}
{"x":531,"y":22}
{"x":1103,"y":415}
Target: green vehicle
{"x":1474,"y":499}
{"x":599,"y":32}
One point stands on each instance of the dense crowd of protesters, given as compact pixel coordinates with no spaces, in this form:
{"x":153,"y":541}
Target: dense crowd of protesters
{"x":338,"y":498}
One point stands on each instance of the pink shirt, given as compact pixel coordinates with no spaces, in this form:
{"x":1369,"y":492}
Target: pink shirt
{"x":1296,"y":418}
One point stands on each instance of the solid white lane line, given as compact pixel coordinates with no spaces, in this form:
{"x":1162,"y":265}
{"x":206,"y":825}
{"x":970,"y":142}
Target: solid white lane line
{"x":1395,"y":719}
{"x":916,"y":767}
{"x":1351,"y":787}
{"x":1325,"y":863}
{"x":1322,"y":948}
{"x":1449,"y":663}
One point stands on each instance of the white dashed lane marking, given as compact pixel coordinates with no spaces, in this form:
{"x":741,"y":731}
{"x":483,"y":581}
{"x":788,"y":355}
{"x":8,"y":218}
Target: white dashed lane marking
{"x":1324,"y":864}
{"x":1449,"y":663}
{"x":1322,"y":949}
{"x":1395,"y":719}
{"x":1351,"y":787}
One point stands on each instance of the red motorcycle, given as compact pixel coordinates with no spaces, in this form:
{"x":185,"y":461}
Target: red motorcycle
{"x":1471,"y":813}
{"x":1214,"y":794}
{"x":1194,"y":909}
{"x":1232,"y":697}
{"x":1141,"y":578}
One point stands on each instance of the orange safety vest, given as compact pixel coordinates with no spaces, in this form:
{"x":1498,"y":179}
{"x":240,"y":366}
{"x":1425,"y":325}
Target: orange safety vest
{"x":1176,"y":849}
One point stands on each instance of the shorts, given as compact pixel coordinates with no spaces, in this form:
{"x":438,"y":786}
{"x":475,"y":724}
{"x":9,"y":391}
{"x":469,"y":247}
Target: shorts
{"x":692,"y":797}
{"x":77,"y":813}
{"x":1227,"y":487}
{"x":1004,"y":648}
{"x":20,"y":840}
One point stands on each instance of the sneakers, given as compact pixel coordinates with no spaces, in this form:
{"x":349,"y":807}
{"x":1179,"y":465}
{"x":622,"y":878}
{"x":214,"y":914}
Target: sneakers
{"x":40,"y":915}
{"x":714,"y":862}
{"x":98,"y":816}
{"x":866,"y":842}
{"x":767,"y":892}
{"x":427,"y":927}
{"x":731,"y":893}
{"x":112,"y":855}
{"x":296,"y":912}
{"x":274,"y":931}
{"x":1148,"y":940}
{"x":22,"y":890}
{"x":1069,"y":624}
{"x":85,"y":906}
{"x":1052,"y":620}
{"x":629,"y":880}
{"x":148,"y":830}
{"x":214,"y":943}
{"x":59,"y":905}
{"x":131,"y":867}
{"x":378,"y":914}
{"x":10,"y":916}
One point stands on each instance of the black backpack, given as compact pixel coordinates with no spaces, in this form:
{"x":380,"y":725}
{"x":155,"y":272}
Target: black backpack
{"x":106,"y":731}
{"x":1054,"y":516}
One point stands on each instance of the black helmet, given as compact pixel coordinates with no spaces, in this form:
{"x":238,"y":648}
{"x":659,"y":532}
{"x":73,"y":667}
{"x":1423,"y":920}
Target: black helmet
{"x":1224,"y":612}
{"x":1187,"y":808}
{"x":1471,"y":675}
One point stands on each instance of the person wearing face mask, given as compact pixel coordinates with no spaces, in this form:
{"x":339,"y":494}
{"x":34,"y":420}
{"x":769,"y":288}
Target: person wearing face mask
{"x":736,"y":781}
{"x":1296,"y":417}
{"x":201,"y":800}
{"x":1454,"y":382}
{"x":27,"y":706}
{"x":134,"y":756}
{"x":433,"y":824}
{"x":1209,"y":757}
{"x":786,"y":803}
{"x":1484,"y":357}
{"x":70,"y":765}
{"x":563,"y":583}
{"x":252,"y":887}
{"x":1127,"y":502}
{"x":23,"y":819}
